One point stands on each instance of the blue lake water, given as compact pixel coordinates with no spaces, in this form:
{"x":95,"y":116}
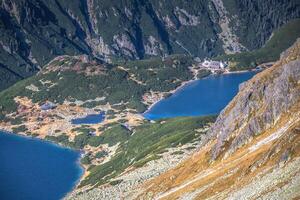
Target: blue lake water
{"x":201,"y":97}
{"x":32,"y":169}
{"x":89,"y":119}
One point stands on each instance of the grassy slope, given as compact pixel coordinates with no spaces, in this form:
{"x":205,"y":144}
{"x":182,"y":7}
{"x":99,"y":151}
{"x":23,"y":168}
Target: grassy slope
{"x":148,"y":139}
{"x":282,"y":38}
{"x":136,"y":148}
{"x":147,"y":142}
{"x":115,"y":84}
{"x":114,"y":134}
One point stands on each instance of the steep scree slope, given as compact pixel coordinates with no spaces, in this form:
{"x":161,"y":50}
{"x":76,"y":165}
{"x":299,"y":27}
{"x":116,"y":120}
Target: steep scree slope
{"x":253,"y":147}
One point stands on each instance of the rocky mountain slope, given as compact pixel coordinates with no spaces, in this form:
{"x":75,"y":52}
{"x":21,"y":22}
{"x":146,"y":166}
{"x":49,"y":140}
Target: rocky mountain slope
{"x":34,"y":32}
{"x":75,"y":86}
{"x":113,"y":154}
{"x":252,"y":150}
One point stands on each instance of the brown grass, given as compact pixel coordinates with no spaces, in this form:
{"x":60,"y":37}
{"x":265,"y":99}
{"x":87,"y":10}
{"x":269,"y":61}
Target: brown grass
{"x":231,"y":173}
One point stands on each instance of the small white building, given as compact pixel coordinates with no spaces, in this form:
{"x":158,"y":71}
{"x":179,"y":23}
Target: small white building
{"x":213,"y":64}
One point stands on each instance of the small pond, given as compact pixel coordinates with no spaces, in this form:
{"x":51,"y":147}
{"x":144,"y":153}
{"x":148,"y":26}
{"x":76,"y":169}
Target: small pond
{"x":89,"y":119}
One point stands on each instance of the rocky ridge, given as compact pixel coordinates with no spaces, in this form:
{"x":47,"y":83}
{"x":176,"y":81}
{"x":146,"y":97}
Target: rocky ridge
{"x":132,"y":179}
{"x":252,"y":150}
{"x":245,"y":117}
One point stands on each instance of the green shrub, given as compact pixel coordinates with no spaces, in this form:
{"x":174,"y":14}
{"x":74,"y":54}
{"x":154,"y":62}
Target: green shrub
{"x":86,"y":160}
{"x":101,"y":154}
{"x":19,"y":129}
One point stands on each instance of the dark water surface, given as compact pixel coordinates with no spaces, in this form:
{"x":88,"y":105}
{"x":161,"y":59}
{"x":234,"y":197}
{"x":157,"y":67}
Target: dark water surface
{"x":201,"y":97}
{"x":32,"y":169}
{"x":89,"y":119}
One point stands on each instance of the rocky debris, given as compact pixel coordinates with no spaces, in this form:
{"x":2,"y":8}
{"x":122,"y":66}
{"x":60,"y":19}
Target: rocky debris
{"x":12,"y":8}
{"x":245,"y":175}
{"x":265,"y":185}
{"x":99,"y":47}
{"x":169,"y":23}
{"x":153,"y":47}
{"x":125,"y":45}
{"x":6,"y":48}
{"x":92,"y":16}
{"x":230,"y":40}
{"x":32,"y":87}
{"x":128,"y":12}
{"x":133,"y":178}
{"x":259,"y":104}
{"x":185,"y":18}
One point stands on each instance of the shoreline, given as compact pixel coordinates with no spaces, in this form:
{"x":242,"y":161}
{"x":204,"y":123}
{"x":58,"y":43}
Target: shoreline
{"x":242,"y":71}
{"x":82,"y":169}
{"x":185,"y":83}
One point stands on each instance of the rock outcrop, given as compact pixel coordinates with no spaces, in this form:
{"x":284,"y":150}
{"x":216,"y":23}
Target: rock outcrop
{"x":33,"y":32}
{"x":259,"y":104}
{"x":252,"y":150}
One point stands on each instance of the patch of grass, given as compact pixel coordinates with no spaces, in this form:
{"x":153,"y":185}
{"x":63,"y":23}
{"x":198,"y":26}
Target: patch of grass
{"x":145,"y":144}
{"x":84,"y":129}
{"x":115,"y":182}
{"x":101,"y":154}
{"x":16,"y":120}
{"x":142,"y":162}
{"x":177,"y":153}
{"x":114,"y":135}
{"x":62,"y":139}
{"x":114,"y":84}
{"x":190,"y":148}
{"x":86,"y":160}
{"x":34,"y":134}
{"x":19,"y":129}
{"x":203,"y":73}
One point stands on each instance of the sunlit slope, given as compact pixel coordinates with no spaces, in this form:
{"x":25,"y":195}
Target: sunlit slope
{"x":254,"y":144}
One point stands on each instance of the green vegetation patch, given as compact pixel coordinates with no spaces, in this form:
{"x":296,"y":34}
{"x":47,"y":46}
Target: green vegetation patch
{"x":115,"y":84}
{"x":282,"y":38}
{"x":145,"y":144}
{"x":203,"y":73}
{"x":19,"y":129}
{"x":62,"y":139}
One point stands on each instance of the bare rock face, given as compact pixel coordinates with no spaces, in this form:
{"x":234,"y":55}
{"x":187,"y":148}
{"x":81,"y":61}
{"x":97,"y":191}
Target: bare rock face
{"x":125,"y":45}
{"x":33,"y":32}
{"x":185,"y":18}
{"x":252,"y":150}
{"x":259,"y":104}
{"x":153,"y":47}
